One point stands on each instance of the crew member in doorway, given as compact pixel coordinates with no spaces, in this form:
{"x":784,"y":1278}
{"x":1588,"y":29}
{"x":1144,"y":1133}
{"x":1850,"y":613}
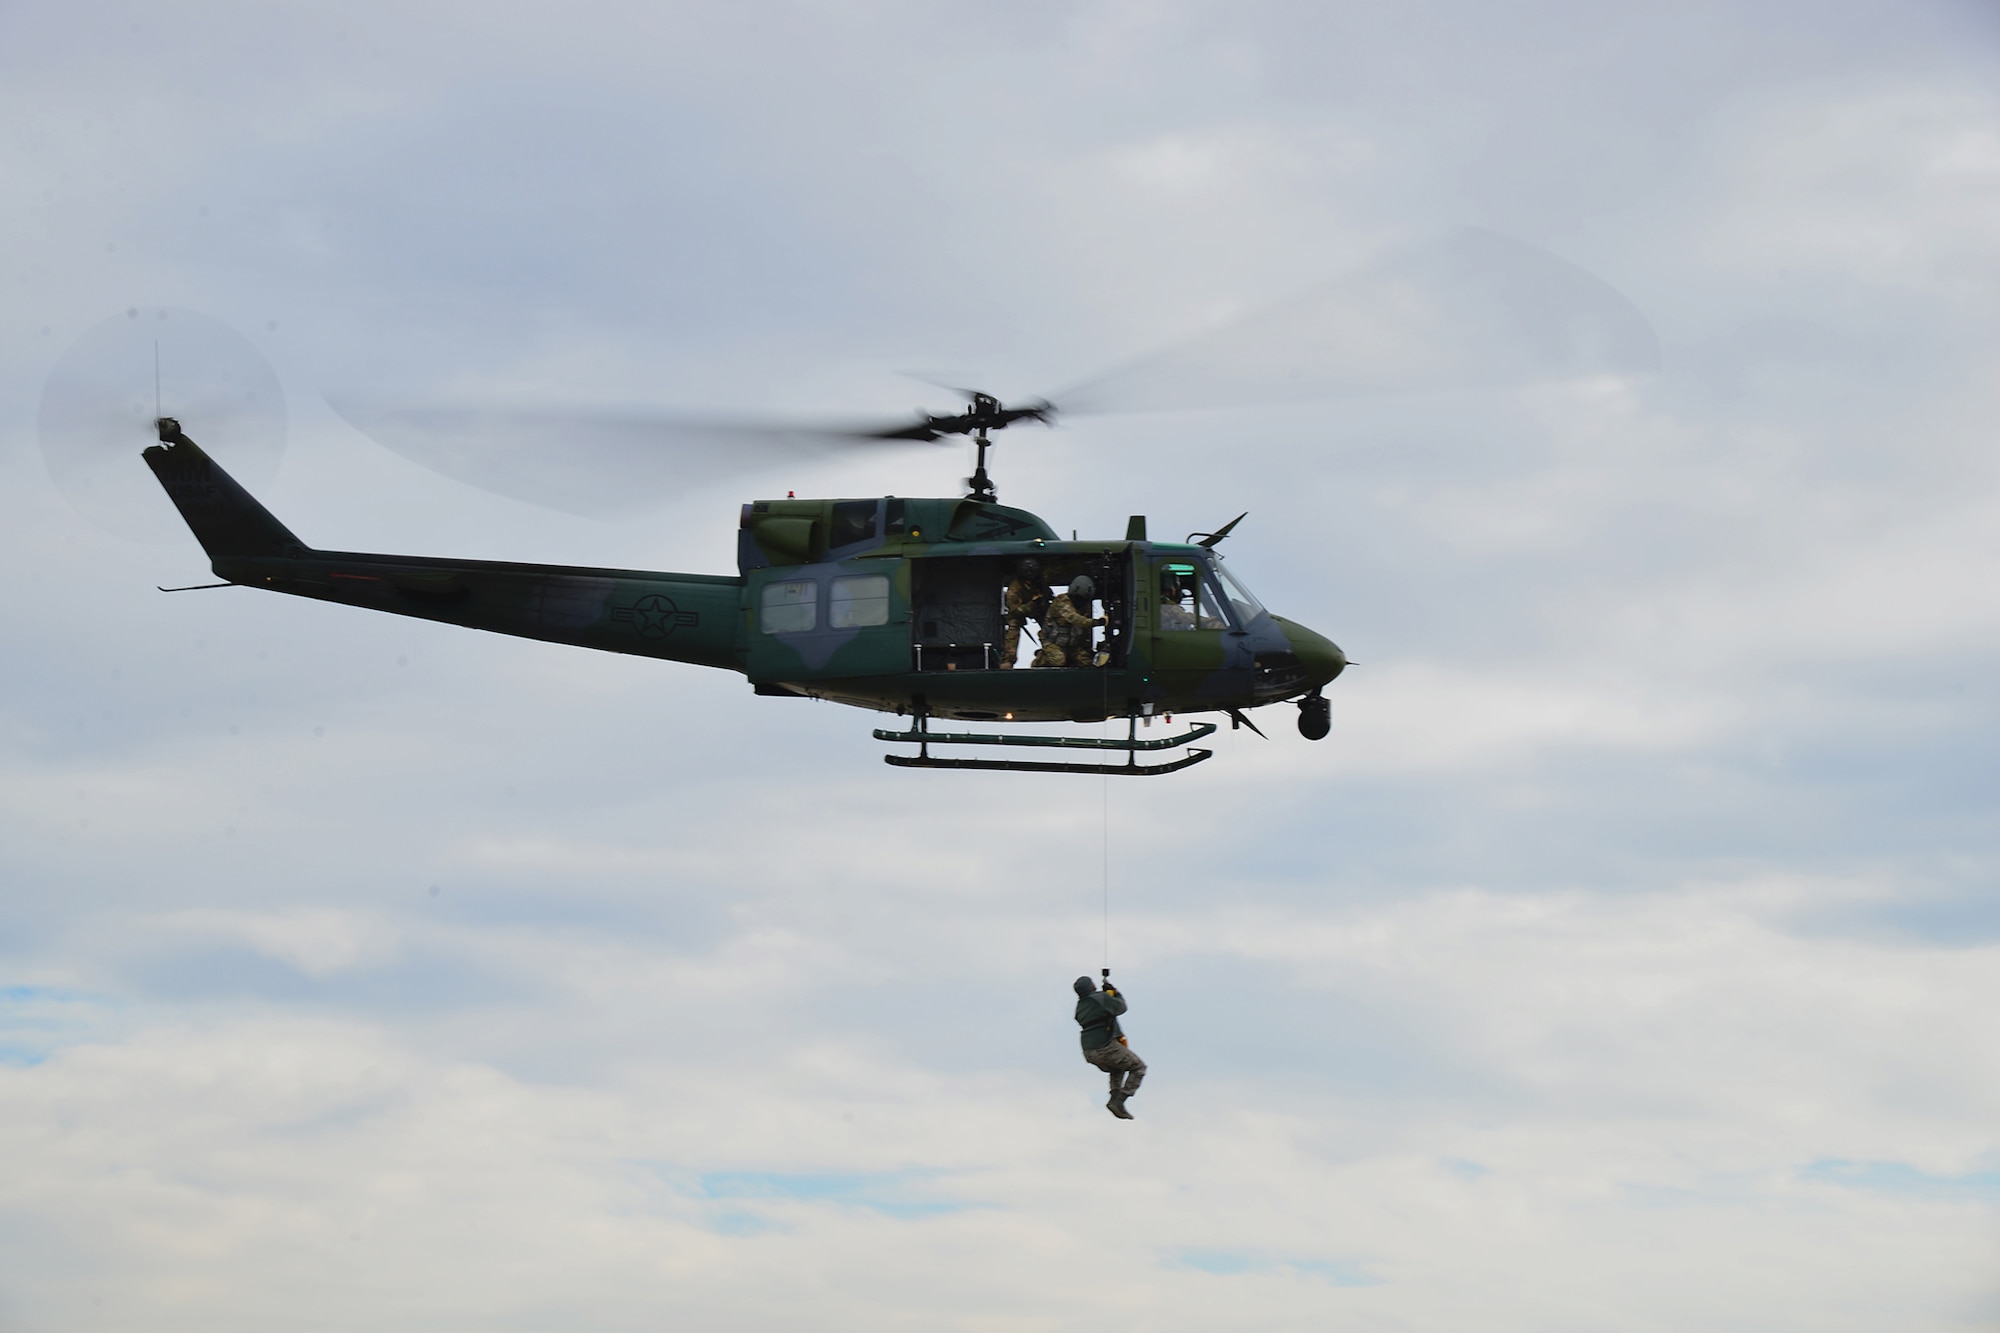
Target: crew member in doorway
{"x":1104,"y":1042}
{"x":1027,"y":599}
{"x":1066,"y":632}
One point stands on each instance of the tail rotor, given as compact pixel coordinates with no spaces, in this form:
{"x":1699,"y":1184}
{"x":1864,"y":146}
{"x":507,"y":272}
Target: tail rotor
{"x":96,"y":416}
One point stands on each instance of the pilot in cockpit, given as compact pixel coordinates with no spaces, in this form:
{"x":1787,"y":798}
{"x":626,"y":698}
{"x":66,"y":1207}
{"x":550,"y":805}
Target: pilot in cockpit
{"x":1175,"y":603}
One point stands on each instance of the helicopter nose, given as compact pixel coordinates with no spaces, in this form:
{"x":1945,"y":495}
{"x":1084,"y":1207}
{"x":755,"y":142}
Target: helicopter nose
{"x":1320,"y":656}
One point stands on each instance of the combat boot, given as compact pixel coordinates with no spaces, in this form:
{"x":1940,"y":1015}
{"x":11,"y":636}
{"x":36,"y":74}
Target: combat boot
{"x":1117,"y":1106}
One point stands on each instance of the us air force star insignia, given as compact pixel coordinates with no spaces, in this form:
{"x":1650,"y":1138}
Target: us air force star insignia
{"x":654,"y":616}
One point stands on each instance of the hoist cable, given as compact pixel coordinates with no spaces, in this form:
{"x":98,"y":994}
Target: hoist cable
{"x":1104,"y":810}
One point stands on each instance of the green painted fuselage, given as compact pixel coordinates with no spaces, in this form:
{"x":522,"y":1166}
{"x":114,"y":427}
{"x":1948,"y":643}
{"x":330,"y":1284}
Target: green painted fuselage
{"x":888,"y":604}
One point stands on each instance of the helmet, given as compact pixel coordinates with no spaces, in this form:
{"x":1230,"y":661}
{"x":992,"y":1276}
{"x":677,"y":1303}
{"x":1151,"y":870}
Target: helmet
{"x":1081,"y":586}
{"x":1084,"y":986}
{"x":1030,"y":569}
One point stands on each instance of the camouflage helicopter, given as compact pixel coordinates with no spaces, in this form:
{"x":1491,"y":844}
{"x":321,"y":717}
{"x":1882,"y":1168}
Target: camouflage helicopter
{"x":899,"y":604}
{"x":891,"y":604}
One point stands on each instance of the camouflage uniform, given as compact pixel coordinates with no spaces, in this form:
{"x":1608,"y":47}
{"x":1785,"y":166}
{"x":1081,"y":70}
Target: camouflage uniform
{"x":1026,"y":601}
{"x":1066,"y":635}
{"x":1119,"y":1061}
{"x":1104,"y":1041}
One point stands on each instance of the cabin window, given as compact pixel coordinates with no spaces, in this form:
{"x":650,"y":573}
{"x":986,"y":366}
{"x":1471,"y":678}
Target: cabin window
{"x":853,"y":521}
{"x":858,"y":602}
{"x":790,"y":607}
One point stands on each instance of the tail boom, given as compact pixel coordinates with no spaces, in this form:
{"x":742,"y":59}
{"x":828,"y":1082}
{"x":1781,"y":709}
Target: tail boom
{"x":679,"y":617}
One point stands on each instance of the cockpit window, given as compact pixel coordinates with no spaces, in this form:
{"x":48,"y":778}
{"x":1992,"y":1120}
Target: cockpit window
{"x":1248,"y":608}
{"x":1188,"y":598}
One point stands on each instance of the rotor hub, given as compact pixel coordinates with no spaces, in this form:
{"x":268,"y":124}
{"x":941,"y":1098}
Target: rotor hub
{"x":985,"y":414}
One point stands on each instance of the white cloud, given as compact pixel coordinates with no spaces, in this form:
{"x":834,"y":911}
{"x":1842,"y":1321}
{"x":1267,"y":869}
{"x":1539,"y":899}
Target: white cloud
{"x":1653,"y":1085}
{"x":1618,"y":961}
{"x":318,"y":942}
{"x":1897,"y":184}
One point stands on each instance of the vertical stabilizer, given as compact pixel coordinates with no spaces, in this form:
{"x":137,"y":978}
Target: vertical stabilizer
{"x":225,"y":518}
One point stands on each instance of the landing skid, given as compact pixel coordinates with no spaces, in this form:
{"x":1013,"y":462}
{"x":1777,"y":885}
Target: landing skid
{"x":923,"y":738}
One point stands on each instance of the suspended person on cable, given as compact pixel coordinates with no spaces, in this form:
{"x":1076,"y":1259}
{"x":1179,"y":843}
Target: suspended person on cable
{"x":1104,"y":1042}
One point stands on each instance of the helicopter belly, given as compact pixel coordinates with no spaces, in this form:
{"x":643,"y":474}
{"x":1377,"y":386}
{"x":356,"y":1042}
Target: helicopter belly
{"x":977,"y":696}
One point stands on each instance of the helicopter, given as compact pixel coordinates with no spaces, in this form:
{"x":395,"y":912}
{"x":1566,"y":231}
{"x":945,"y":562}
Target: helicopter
{"x":901,"y":605}
{"x":892,"y":604}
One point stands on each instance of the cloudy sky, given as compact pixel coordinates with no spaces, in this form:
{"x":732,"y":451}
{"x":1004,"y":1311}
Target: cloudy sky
{"x":1625,"y":958}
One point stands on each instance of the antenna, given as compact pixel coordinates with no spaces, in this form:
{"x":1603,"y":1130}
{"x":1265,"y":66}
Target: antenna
{"x":157,"y":413}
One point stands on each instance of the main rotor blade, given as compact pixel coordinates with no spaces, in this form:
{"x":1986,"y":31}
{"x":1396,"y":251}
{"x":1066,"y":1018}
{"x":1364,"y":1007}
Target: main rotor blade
{"x":1473,"y":310}
{"x":597,"y":463}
